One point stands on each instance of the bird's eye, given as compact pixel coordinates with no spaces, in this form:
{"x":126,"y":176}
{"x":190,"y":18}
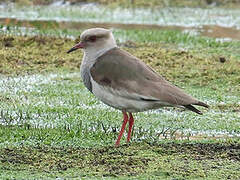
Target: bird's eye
{"x":92,"y":38}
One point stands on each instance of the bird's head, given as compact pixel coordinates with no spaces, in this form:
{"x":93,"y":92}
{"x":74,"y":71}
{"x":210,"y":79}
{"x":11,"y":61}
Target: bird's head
{"x":94,"y":40}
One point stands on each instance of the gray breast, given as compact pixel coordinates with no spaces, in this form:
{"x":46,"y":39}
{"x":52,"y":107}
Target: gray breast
{"x":86,"y":64}
{"x":85,"y":74}
{"x":89,"y":58}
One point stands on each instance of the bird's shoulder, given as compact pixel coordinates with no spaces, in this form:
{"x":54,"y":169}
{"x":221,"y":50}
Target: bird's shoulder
{"x":119,"y":64}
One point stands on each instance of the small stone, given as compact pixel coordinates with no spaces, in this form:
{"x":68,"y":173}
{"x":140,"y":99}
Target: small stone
{"x":222,"y":59}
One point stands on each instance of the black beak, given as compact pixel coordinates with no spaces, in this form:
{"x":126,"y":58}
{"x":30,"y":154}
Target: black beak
{"x":72,"y":49}
{"x":77,"y":46}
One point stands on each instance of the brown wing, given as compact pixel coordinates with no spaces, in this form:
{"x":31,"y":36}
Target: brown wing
{"x":133,"y":79}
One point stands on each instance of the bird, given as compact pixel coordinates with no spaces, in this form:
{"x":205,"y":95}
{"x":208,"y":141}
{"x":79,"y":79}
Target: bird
{"x":123,"y":81}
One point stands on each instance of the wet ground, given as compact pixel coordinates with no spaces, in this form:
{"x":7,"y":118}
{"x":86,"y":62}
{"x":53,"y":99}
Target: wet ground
{"x":215,"y":31}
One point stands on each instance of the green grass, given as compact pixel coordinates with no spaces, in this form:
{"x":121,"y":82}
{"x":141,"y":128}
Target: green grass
{"x":172,"y":39}
{"x":51,"y":126}
{"x":139,"y":161}
{"x":49,"y":98}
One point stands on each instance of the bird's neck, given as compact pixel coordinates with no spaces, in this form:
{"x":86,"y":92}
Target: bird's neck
{"x":90,"y":56}
{"x":93,"y":54}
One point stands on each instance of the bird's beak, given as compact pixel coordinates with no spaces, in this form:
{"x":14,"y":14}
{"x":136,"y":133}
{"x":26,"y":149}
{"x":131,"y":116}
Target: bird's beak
{"x":77,"y":46}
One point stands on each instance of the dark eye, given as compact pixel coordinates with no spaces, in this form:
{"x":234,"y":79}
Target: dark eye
{"x":92,"y":38}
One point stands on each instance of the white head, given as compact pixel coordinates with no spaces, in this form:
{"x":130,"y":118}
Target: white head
{"x":95,"y":40}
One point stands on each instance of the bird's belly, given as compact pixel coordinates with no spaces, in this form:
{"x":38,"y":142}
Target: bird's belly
{"x":115,"y":98}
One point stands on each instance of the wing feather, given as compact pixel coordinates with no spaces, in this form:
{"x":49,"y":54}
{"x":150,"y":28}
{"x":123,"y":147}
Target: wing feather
{"x":122,"y":72}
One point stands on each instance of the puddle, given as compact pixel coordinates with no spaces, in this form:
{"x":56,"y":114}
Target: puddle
{"x":214,"y":31}
{"x":224,"y":33}
{"x":211,"y":22}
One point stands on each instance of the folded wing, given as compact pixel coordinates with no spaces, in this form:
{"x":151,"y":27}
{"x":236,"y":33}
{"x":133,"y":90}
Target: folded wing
{"x":124,"y":73}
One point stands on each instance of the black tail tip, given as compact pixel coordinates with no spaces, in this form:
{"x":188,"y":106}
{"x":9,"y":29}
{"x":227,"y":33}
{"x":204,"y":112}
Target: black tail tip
{"x":192,"y":108}
{"x":202,"y":104}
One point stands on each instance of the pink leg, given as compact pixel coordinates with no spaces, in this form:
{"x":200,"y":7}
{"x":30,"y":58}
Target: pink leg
{"x":131,"y":122}
{"x":125,"y":120}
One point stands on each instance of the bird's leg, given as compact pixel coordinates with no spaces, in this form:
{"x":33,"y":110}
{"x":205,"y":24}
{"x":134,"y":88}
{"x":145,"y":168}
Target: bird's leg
{"x":125,"y":120}
{"x":131,"y":122}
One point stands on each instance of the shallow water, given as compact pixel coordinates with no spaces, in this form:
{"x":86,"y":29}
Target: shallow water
{"x":222,"y":33}
{"x":212,"y":22}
